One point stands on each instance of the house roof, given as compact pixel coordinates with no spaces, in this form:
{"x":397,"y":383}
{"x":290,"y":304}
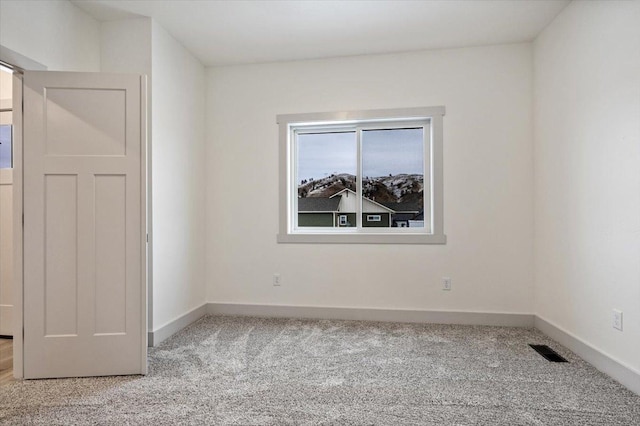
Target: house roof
{"x":318,"y":204}
{"x":403,"y":207}
{"x":403,"y":216}
{"x":390,"y":210}
{"x":339,"y":193}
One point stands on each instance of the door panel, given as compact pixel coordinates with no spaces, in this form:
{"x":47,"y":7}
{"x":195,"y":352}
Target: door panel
{"x":84,"y":229}
{"x":60,"y":255}
{"x":91,"y":113}
{"x":110,"y":290}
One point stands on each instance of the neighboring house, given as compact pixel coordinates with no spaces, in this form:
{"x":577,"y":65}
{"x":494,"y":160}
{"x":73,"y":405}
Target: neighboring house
{"x":404,"y":213}
{"x":374,"y":215}
{"x":317,"y":211}
{"x":339,"y":211}
{"x":417,"y":221}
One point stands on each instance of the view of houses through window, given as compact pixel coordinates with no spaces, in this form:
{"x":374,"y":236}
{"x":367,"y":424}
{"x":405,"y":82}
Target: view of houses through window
{"x":392,"y":170}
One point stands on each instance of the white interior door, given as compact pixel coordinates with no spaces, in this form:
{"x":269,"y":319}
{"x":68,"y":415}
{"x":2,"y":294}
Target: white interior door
{"x":84,"y":224}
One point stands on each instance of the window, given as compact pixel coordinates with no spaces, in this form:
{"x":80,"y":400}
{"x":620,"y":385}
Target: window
{"x":6,"y":121}
{"x":6,"y":147}
{"x":362,"y":177}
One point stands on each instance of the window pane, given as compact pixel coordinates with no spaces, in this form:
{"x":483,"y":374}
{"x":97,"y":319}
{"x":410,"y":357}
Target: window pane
{"x":326,"y":174}
{"x":6,"y":150}
{"x":393,"y":178}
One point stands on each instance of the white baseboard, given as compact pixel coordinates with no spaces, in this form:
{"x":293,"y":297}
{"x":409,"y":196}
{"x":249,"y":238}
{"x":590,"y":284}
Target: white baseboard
{"x":623,"y":374}
{"x":373,"y":314}
{"x":160,"y":334}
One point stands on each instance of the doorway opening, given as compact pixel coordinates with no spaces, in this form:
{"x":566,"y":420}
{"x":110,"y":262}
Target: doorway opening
{"x":6,"y":224}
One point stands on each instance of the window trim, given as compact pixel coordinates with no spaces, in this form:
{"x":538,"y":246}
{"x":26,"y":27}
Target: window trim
{"x":286,"y":122}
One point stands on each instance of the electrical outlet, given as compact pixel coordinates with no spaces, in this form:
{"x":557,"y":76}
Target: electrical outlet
{"x":617,"y":319}
{"x":276,"y":280}
{"x":446,"y":283}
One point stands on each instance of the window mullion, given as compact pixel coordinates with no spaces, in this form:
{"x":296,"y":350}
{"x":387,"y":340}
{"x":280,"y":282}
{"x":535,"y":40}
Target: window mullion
{"x":359,"y":179}
{"x":428,"y":176}
{"x":293,"y":183}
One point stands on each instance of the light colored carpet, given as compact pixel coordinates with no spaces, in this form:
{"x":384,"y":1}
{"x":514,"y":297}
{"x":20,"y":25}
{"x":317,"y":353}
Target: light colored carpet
{"x":251,"y":371}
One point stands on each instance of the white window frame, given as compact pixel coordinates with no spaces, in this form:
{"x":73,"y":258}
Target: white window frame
{"x":430,"y":117}
{"x":342,"y":220}
{"x":374,"y":218}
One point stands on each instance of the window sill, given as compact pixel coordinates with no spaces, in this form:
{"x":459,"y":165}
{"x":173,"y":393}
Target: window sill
{"x":362,"y":239}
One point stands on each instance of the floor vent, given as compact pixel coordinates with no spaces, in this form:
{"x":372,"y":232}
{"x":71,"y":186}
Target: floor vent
{"x":548,"y":353}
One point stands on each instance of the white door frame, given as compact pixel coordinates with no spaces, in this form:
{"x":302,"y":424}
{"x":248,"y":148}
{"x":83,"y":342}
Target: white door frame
{"x":19,"y":63}
{"x":18,"y":330}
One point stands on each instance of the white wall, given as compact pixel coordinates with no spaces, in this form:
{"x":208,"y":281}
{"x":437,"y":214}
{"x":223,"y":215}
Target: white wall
{"x":125,"y":47}
{"x":587,"y":175}
{"x":488,"y":182}
{"x":55,"y":33}
{"x":6,"y":89}
{"x":178,"y":157}
{"x":176,"y":93}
